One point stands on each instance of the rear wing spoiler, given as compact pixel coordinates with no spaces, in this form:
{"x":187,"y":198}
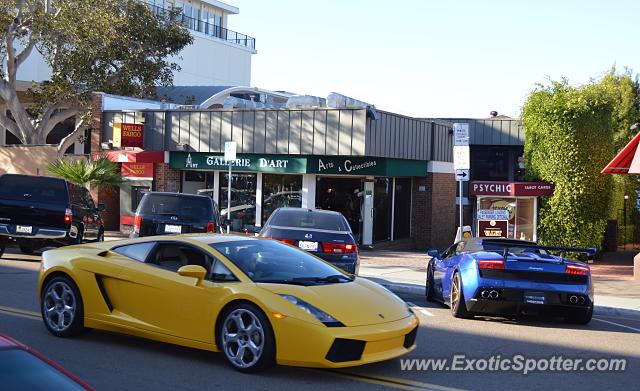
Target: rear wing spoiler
{"x":507,"y":244}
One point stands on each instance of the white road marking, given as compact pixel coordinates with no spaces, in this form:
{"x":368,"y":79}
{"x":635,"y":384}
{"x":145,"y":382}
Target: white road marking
{"x":423,"y":311}
{"x":617,"y":324}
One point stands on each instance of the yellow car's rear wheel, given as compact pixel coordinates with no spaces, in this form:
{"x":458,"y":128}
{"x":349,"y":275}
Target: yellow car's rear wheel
{"x":246,"y":338}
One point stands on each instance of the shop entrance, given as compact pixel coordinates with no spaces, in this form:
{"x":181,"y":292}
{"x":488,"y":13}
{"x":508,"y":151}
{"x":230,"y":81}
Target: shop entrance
{"x":344,"y":195}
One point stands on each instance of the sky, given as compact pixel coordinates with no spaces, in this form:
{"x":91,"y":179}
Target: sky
{"x":436,"y":58}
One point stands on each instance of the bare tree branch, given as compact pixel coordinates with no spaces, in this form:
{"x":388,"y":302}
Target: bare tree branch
{"x":20,"y":58}
{"x":47,"y":124}
{"x":11,"y":126}
{"x":72,"y":137}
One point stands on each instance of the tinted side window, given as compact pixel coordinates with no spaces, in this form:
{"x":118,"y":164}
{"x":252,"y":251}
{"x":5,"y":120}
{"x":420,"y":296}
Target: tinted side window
{"x":35,"y":189}
{"x":221,"y":273}
{"x":138,"y":251}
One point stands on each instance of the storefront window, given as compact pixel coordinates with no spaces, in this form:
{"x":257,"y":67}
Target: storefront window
{"x":521,"y":218}
{"x":243,"y":199}
{"x":280,"y":191}
{"x":525,"y":223}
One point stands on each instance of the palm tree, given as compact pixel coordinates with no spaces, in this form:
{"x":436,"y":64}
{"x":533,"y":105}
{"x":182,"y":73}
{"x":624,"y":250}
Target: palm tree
{"x":100,"y":172}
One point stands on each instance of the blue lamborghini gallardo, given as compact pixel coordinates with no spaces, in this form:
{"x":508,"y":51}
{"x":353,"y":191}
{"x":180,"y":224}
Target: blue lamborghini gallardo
{"x":503,"y":277}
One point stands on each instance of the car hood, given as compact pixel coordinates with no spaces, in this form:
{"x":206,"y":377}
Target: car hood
{"x":357,"y":303}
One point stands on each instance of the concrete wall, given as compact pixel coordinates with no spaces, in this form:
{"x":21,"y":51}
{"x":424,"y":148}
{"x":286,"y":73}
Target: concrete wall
{"x":213,"y":62}
{"x":30,"y":160}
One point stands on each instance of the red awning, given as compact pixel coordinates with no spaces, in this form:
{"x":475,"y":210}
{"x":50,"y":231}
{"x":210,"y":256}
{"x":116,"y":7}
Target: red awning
{"x":132,"y":156}
{"x":626,"y":161}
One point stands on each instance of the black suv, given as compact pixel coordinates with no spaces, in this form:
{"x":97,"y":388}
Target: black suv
{"x":175,"y":213}
{"x":39,"y":211}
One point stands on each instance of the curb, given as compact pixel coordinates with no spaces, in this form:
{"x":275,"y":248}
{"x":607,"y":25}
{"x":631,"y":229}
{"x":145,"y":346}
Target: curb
{"x":405,"y":288}
{"x":615,"y":311}
{"x":414,"y":289}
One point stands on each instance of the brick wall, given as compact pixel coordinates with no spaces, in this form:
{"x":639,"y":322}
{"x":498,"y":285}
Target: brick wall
{"x":166,"y":178}
{"x":433,"y":221}
{"x":96,"y":122}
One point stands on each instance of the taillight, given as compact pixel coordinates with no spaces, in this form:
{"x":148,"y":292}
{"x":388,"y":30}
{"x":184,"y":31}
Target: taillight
{"x":68,"y":216}
{"x":211,"y":227}
{"x":137,"y":223}
{"x":577,"y":270}
{"x":491,"y":264}
{"x":339,"y":248}
{"x":287,"y":241}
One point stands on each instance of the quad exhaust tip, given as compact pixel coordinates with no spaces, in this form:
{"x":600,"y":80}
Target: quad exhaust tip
{"x":489,"y":294}
{"x":574,"y":299}
{"x":581,"y":300}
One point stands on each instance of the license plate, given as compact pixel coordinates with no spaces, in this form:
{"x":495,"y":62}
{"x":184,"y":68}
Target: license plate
{"x":309,"y":246}
{"x":173,"y":229}
{"x":24,"y":229}
{"x":534,"y":298}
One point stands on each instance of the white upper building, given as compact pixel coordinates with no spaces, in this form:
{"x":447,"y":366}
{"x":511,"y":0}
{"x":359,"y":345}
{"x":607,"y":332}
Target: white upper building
{"x":218,"y":56}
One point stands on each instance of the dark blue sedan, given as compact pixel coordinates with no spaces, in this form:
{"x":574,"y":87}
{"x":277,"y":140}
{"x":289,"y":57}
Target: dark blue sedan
{"x":501,"y":277}
{"x":324,"y":233}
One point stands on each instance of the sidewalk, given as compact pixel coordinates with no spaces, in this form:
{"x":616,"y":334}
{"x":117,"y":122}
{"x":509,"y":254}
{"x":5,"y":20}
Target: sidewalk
{"x":616,"y":293}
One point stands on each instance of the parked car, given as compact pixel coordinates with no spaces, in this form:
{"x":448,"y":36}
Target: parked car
{"x":258,"y":301}
{"x":39,"y":211}
{"x":504,"y":277}
{"x":22,"y":368}
{"x":162,"y":213}
{"x":323,"y":233}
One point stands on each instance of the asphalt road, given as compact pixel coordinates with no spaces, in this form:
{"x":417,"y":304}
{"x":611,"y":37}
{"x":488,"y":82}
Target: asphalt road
{"x":116,"y":362}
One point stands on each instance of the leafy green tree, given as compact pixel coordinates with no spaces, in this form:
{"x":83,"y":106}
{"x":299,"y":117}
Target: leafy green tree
{"x":113,"y":46}
{"x":101,"y":172}
{"x":569,"y":140}
{"x":624,"y":92}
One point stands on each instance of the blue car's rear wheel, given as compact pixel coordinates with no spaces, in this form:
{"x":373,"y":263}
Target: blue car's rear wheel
{"x":582,"y":318}
{"x":458,"y":306}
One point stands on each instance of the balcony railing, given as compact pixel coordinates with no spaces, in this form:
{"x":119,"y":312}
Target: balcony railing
{"x":209,"y":29}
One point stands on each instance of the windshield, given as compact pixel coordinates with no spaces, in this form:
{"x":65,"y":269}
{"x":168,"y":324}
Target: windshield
{"x":304,"y":218}
{"x":272,"y":261}
{"x":34,"y":189}
{"x":192,"y":207}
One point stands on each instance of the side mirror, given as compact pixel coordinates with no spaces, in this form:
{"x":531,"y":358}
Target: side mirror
{"x":101,"y":207}
{"x":433,"y":253}
{"x":195,"y":271}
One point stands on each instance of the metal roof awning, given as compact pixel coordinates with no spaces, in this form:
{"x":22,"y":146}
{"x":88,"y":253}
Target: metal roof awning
{"x":626,"y":161}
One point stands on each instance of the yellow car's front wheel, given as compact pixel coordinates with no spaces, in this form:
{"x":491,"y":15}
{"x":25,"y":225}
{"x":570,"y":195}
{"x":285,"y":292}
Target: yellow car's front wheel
{"x":62,"y":308}
{"x":246,"y":338}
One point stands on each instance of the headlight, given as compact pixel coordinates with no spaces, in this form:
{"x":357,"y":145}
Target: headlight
{"x":314,"y":311}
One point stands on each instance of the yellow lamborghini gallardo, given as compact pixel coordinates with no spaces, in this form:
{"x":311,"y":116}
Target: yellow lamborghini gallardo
{"x":259,"y":301}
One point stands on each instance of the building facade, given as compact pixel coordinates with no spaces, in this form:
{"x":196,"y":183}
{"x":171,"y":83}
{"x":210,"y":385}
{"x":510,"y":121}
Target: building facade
{"x":390,"y":175}
{"x":496,"y":200}
{"x":218,"y":56}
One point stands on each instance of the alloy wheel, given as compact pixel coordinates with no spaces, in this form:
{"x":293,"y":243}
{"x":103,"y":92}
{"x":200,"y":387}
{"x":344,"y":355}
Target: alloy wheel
{"x":455,"y":291}
{"x":243,"y":338}
{"x":59,"y":306}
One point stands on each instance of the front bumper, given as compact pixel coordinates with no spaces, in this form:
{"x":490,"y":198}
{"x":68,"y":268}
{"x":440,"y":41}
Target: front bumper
{"x":44,"y":233}
{"x":301,"y":343}
{"x":511,"y":301}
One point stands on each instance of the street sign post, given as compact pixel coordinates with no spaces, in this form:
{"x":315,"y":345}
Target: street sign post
{"x":462,"y":175}
{"x":461,"y":160}
{"x":229,"y":156}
